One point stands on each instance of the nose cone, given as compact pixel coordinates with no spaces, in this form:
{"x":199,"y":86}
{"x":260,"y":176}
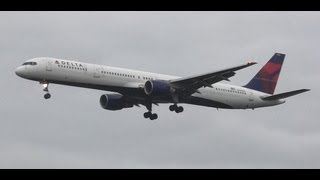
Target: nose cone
{"x":20,"y":71}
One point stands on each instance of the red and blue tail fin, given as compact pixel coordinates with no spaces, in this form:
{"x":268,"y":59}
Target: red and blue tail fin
{"x":266,"y":79}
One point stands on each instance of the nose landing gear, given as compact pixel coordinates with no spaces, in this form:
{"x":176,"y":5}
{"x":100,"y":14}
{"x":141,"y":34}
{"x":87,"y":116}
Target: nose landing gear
{"x":46,"y":89}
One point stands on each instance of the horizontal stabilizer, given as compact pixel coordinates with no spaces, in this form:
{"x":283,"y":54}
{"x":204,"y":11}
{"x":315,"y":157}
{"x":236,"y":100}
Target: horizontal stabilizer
{"x":285,"y":95}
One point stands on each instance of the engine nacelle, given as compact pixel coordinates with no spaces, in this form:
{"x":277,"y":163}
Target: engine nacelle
{"x":158,"y":88}
{"x":114,"y":102}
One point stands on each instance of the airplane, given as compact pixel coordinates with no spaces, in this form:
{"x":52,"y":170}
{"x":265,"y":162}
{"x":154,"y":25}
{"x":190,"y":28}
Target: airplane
{"x":134,"y":88}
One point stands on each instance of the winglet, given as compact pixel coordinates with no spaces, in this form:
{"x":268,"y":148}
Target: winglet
{"x":252,"y":63}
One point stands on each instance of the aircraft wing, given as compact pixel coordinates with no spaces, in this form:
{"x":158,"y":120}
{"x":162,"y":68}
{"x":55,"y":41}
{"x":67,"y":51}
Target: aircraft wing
{"x":191,"y":84}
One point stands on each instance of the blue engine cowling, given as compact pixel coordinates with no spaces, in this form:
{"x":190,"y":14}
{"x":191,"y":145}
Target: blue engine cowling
{"x":114,"y":102}
{"x":157,"y":88}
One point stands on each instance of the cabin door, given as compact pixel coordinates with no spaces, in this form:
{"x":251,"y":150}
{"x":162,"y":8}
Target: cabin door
{"x":98,"y":72}
{"x":49,"y":65}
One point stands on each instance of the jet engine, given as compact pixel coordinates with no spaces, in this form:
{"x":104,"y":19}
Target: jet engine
{"x":158,"y":88}
{"x":114,"y":102}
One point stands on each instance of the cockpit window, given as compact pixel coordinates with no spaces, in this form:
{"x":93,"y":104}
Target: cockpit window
{"x":29,"y":63}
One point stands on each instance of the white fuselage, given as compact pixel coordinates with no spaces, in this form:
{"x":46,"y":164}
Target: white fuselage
{"x":121,"y":80}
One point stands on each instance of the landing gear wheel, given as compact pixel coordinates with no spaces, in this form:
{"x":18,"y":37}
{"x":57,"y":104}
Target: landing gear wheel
{"x":47,"y":96}
{"x":147,"y":114}
{"x":172,"y":107}
{"x":179,"y":109}
{"x":150,"y":116}
{"x":153,"y":117}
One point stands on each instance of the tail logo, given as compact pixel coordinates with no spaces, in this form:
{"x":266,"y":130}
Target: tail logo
{"x":266,"y":79}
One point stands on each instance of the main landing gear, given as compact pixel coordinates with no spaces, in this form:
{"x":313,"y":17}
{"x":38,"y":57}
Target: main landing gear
{"x":46,"y":89}
{"x":149,"y":114}
{"x":177,"y":109}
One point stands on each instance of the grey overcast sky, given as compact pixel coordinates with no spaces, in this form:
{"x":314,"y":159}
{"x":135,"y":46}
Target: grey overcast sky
{"x":71,"y":130}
